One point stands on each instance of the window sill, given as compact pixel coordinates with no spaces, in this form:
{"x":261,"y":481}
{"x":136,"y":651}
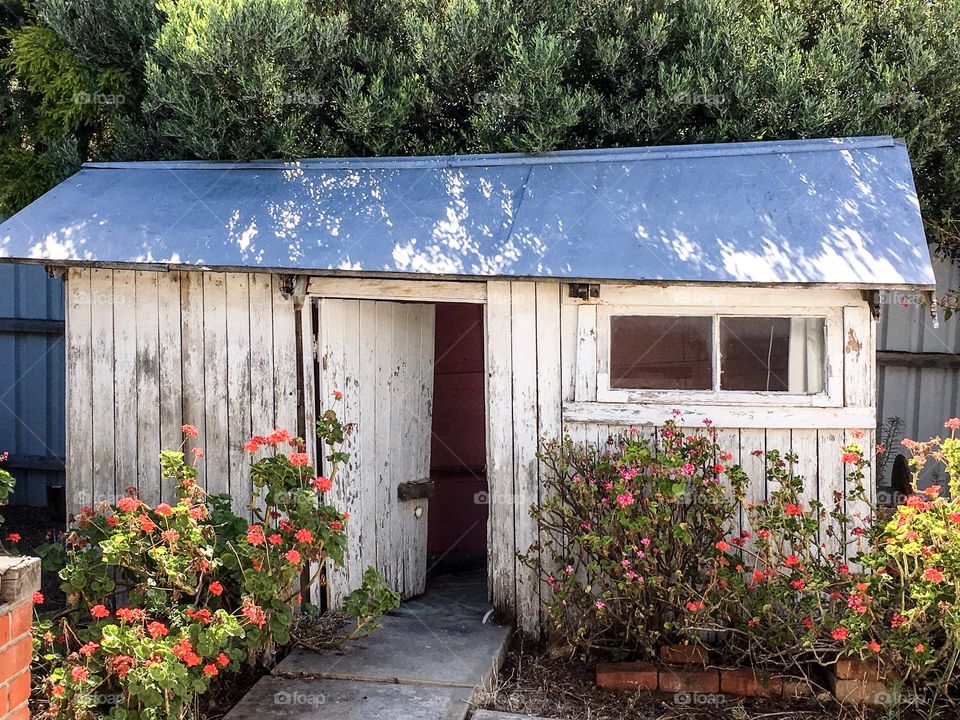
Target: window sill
{"x":723,"y":416}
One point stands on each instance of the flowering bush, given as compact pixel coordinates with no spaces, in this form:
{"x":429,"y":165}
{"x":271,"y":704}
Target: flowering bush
{"x":163,"y":599}
{"x":626,"y":531}
{"x":639,"y":549}
{"x":916,"y":562}
{"x":782,"y":593}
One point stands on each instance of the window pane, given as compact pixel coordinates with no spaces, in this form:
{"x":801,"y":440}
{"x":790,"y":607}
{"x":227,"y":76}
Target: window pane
{"x":661,"y":353}
{"x":773,"y":354}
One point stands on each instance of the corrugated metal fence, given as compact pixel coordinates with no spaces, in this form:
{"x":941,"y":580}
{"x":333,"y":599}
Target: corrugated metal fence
{"x":918,"y":373}
{"x":32,"y":380}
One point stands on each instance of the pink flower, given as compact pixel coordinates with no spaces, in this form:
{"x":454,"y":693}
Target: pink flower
{"x":255,"y":535}
{"x":128,"y":504}
{"x":38,"y":598}
{"x":79,"y":674}
{"x":600,"y":604}
{"x":197,"y":453}
{"x":299,"y":459}
{"x":99,"y":612}
{"x":303,"y":535}
{"x":625,"y":499}
{"x":952,"y":423}
{"x":190,"y":431}
{"x":688,"y":469}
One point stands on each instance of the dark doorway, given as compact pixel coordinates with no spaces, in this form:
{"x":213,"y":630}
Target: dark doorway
{"x":457,"y":527}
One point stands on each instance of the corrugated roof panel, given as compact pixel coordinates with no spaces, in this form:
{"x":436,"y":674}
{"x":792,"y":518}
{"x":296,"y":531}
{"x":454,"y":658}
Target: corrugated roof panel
{"x":824,"y":211}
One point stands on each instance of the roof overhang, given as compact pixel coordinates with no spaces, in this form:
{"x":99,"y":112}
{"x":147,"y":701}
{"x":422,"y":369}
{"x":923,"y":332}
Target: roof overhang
{"x":839,"y":212}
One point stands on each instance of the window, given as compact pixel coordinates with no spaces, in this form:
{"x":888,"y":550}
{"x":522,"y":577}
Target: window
{"x":661,"y":353}
{"x":771,"y":354}
{"x":714,"y":356}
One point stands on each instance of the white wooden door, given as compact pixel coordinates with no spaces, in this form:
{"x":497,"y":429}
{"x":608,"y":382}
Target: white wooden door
{"x":380,"y":355}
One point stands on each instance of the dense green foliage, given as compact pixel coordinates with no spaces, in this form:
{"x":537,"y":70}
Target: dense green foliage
{"x":287,"y":78}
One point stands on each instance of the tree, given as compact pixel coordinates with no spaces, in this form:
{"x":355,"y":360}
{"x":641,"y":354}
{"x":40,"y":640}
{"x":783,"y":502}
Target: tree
{"x":292,"y":78}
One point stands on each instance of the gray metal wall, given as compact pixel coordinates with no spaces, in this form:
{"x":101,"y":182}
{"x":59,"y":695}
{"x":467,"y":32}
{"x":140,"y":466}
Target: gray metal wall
{"x":918,"y":373}
{"x":32,"y":377}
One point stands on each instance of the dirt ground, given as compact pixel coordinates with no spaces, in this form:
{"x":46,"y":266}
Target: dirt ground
{"x":531,"y":682}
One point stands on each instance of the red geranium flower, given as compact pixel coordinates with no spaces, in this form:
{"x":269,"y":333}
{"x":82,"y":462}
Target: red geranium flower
{"x":299,"y":459}
{"x":99,"y":612}
{"x":216,"y":588}
{"x":190,"y":431}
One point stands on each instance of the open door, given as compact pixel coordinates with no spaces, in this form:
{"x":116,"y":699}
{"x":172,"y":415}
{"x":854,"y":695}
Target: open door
{"x":380,"y":355}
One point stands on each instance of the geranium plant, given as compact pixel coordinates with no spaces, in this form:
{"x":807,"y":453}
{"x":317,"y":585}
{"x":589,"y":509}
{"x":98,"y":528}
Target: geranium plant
{"x":164,"y":598}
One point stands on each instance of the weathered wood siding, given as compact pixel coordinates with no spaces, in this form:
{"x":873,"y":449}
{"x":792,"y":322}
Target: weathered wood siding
{"x":381,"y":356}
{"x":150,"y":351}
{"x":543,"y":366}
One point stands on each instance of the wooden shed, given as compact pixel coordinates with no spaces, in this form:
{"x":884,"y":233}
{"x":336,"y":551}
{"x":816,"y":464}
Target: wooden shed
{"x":468,"y":307}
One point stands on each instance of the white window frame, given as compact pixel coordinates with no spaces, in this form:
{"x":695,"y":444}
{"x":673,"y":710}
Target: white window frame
{"x":831,"y":396}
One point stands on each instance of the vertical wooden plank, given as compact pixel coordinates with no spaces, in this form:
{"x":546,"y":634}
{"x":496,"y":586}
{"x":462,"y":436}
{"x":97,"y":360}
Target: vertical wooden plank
{"x":805,"y":444}
{"x":364,"y":526}
{"x":102,"y":418}
{"x":284,"y":359}
{"x":550,"y":391}
{"x":148,"y":386}
{"x":401,"y":428}
{"x":424,"y":389}
{"x":526,"y":476}
{"x":125,"y":381}
{"x":80,"y":489}
{"x":309,"y":377}
{"x":216,"y":356}
{"x":729,"y":441}
{"x":386,"y":490}
{"x":239,"y":427}
{"x":777,"y":439}
{"x":755,"y":467}
{"x":261,"y":354}
{"x":192,"y":362}
{"x":859,"y":357}
{"x":171,"y":375}
{"x":568,"y":350}
{"x":830,"y":469}
{"x":501,"y":543}
{"x":334,"y":336}
{"x":586,"y":373}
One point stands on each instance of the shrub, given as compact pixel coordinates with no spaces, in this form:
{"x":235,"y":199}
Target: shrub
{"x":639,"y":549}
{"x":163,"y":599}
{"x":627,"y":530}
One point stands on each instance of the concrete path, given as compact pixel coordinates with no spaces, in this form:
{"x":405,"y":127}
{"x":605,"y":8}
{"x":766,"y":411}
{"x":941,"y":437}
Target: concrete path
{"x":426,"y":662}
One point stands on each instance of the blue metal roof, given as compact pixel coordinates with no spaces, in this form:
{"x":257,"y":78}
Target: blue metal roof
{"x":837,"y":211}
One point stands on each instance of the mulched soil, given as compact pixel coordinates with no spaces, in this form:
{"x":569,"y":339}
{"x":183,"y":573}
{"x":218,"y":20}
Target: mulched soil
{"x":534,"y":683}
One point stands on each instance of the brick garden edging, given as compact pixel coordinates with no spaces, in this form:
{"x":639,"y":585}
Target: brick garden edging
{"x":683,"y":669}
{"x":19,"y":578}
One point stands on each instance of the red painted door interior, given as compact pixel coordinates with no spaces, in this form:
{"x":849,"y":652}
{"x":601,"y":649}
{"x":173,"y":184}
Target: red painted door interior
{"x":457,"y":527}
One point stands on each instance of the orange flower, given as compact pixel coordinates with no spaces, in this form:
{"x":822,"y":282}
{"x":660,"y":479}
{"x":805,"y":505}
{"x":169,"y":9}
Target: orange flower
{"x":99,"y":612}
{"x":299,"y":459}
{"x":190,"y":431}
{"x":840,"y":633}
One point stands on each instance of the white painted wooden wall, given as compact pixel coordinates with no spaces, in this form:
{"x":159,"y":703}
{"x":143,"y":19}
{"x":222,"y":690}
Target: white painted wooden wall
{"x":150,"y":351}
{"x":543,"y":366}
